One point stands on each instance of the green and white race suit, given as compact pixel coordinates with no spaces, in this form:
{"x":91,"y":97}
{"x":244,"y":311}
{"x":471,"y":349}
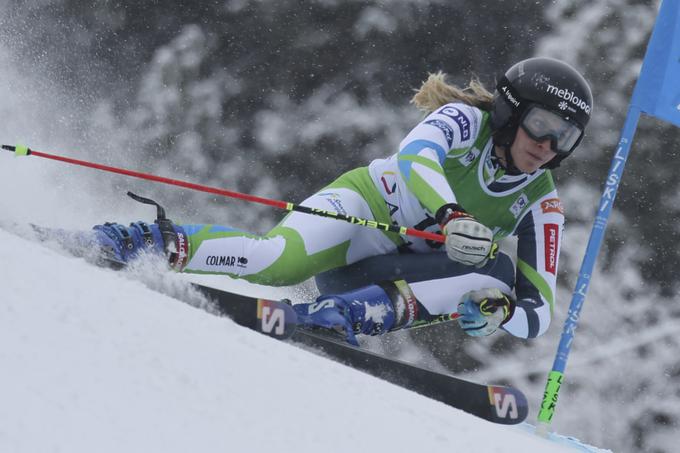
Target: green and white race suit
{"x":446,"y":158}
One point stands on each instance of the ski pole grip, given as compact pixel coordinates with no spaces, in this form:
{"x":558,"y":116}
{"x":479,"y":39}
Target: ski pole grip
{"x":19,"y":150}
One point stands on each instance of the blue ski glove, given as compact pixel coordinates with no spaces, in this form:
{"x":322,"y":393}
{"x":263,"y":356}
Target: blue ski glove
{"x":120,"y":244}
{"x":368,"y":310}
{"x":482,"y":312}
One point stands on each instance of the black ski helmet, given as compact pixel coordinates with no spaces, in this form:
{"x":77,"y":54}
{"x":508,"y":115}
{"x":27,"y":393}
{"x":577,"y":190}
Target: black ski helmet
{"x":549,"y":83}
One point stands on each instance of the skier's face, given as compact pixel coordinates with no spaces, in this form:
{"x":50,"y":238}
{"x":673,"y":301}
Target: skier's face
{"x":528,"y":154}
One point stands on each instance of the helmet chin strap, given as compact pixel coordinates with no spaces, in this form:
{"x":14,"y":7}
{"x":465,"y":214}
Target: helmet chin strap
{"x":506,"y":161}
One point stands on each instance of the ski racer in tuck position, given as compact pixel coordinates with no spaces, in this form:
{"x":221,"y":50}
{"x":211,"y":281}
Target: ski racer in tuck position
{"x":477,"y":168}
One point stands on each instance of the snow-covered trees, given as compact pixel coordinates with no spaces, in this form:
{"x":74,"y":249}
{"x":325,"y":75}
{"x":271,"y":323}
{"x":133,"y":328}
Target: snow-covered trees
{"x":277,"y":98}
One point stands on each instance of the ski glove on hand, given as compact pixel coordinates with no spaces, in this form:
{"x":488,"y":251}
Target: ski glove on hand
{"x":467,"y":241}
{"x":482,"y":312}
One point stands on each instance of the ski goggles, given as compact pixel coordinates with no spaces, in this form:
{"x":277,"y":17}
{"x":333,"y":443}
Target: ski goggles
{"x":541,"y":124}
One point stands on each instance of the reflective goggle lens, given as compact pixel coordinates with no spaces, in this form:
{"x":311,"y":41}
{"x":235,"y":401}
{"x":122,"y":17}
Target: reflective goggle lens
{"x":541,"y":124}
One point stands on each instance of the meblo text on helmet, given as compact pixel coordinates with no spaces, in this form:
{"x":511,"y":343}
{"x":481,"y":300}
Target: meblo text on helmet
{"x":569,"y":96}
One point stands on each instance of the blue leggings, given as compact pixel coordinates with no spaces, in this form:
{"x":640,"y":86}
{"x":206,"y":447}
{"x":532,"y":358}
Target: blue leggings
{"x":437,"y":282}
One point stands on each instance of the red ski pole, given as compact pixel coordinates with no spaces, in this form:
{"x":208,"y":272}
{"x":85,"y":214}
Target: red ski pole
{"x":21,"y":150}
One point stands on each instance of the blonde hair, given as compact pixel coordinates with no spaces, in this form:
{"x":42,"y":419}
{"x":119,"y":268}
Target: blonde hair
{"x":436,"y":91}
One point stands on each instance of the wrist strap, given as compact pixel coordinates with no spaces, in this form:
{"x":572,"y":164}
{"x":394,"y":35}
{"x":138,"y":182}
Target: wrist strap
{"x":449,"y":212}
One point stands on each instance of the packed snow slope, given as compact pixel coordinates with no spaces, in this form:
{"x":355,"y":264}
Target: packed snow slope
{"x":94,"y":360}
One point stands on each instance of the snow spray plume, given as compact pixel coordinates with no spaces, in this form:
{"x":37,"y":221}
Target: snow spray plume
{"x":21,"y":150}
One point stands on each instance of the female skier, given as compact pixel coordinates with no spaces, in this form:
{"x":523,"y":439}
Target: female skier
{"x":477,"y":168}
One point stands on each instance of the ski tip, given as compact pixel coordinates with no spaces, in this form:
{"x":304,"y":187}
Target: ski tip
{"x":276,"y":319}
{"x":509,"y":405}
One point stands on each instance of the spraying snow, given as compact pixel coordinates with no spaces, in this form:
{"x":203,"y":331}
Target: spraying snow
{"x":96,"y":361}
